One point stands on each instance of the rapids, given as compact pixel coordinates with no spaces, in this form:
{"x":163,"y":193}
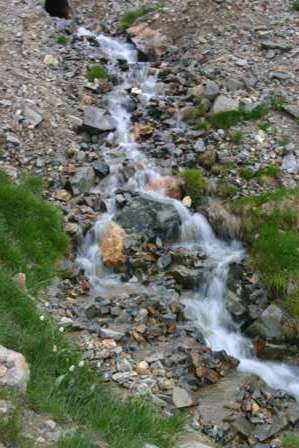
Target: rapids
{"x":206,"y":308}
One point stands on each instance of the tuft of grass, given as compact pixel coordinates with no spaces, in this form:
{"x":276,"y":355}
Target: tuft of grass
{"x":78,"y":441}
{"x":96,"y":71}
{"x":192,"y":115}
{"x":129,"y":19}
{"x":225,"y":120}
{"x":31,"y":241}
{"x":62,"y":40}
{"x":225,"y":189}
{"x":291,"y":440}
{"x":269,"y":225}
{"x":265,"y":126}
{"x":195,"y":183}
{"x":236,"y":137}
{"x":11,"y":429}
{"x":268,"y":171}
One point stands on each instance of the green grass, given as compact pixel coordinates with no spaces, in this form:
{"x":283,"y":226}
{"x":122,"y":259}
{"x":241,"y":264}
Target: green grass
{"x":62,"y":40}
{"x":225,"y":120}
{"x":269,"y":226}
{"x":290,"y":441}
{"x":195,"y":183}
{"x":236,"y":137}
{"x":96,"y":71}
{"x":225,"y":189}
{"x":268,"y":171}
{"x":130,"y":18}
{"x":31,"y":241}
{"x":265,"y":126}
{"x":11,"y":428}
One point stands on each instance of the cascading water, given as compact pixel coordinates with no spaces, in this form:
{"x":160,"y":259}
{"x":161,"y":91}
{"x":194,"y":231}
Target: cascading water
{"x":206,"y":308}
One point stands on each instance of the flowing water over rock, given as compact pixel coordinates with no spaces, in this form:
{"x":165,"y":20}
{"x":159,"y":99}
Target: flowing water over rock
{"x":206,"y":307}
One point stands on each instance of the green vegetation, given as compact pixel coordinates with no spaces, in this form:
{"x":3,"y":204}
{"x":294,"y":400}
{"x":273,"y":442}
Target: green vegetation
{"x":291,"y":440}
{"x":10,"y":428}
{"x":194,"y":115}
{"x":225,"y":120}
{"x":96,"y":71}
{"x":268,"y":171}
{"x":225,"y":189}
{"x":269,"y":223}
{"x":236,"y":137}
{"x":61,"y":384}
{"x":128,"y":19}
{"x":62,"y":40}
{"x":265,"y":126}
{"x":195,"y":183}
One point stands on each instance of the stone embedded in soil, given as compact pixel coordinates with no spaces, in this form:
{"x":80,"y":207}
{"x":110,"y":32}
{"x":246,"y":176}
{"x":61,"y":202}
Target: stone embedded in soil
{"x":224,"y":103}
{"x":181,"y":398}
{"x":14,"y":370}
{"x":112,"y":245}
{"x":97,"y":120}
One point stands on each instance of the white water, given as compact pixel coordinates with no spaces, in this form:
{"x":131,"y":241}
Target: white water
{"x":206,"y":308}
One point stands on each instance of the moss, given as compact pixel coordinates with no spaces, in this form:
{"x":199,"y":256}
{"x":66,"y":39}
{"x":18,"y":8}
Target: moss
{"x":128,"y":19}
{"x":291,"y":440}
{"x":62,"y":40}
{"x":265,"y":126}
{"x":96,"y":71}
{"x":195,"y":183}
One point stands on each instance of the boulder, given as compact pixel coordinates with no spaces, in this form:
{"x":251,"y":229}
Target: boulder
{"x":14,"y":370}
{"x":188,"y":278}
{"x":145,"y":216}
{"x":58,"y":8}
{"x":97,"y":120}
{"x":170,"y":186}
{"x":224,"y":103}
{"x":83,"y":180}
{"x":224,"y":223}
{"x":181,"y":398}
{"x":112,"y":245}
{"x":149,"y":41}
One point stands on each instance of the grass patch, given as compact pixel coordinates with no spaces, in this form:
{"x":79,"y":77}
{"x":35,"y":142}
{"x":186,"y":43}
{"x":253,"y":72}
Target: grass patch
{"x":96,"y":71}
{"x":130,"y":18}
{"x":225,"y":120}
{"x":290,"y":440}
{"x":269,"y":224}
{"x":267,"y":171}
{"x":195,"y":183}
{"x":11,"y":428}
{"x":62,"y":40}
{"x":31,"y":241}
{"x":225,"y":189}
{"x":236,"y":137}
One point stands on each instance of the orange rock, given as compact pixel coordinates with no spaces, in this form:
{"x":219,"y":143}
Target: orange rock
{"x":62,"y":195}
{"x":170,"y":186}
{"x":142,"y":130}
{"x":143,"y":368}
{"x":112,"y":247}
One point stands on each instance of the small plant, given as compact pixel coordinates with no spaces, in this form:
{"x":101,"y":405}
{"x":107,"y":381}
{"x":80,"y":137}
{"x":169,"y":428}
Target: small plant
{"x":195,"y":183}
{"x":62,"y":40}
{"x":193,"y":115}
{"x":96,"y":71}
{"x":128,"y":19}
{"x":225,"y":120}
{"x":268,"y":171}
{"x":236,"y":137}
{"x":265,"y":126}
{"x":291,"y":441}
{"x":226,"y":189}
{"x":295,"y":5}
{"x":247,"y":173}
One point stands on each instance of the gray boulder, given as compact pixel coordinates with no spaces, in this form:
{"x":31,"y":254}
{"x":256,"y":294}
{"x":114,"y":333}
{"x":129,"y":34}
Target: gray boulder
{"x":97,"y":120}
{"x":144,"y":215}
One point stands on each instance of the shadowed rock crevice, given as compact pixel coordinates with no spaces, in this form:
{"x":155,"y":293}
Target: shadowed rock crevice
{"x":58,"y":8}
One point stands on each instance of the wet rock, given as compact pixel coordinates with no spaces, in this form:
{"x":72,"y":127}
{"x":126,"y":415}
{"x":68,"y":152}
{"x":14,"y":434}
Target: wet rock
{"x":224,"y":223}
{"x":243,"y":426}
{"x":268,"y":325}
{"x":149,"y":217}
{"x":83,"y":180}
{"x":181,"y":398}
{"x":97,"y":120}
{"x":168,"y":185}
{"x":112,"y":245}
{"x":235,"y":306}
{"x":101,"y":168}
{"x":14,"y":370}
{"x":149,"y":41}
{"x":225,"y":104}
{"x":186,"y":277}
{"x":267,"y":431}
